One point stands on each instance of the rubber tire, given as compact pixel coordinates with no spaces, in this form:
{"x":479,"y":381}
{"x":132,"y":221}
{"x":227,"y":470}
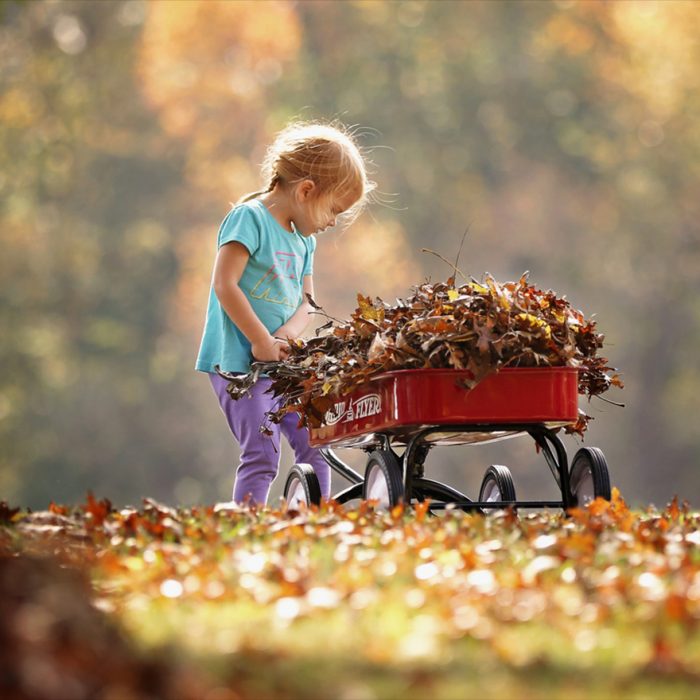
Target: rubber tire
{"x":306,"y":476}
{"x":504,"y":482}
{"x":589,"y":460}
{"x":392,"y":473}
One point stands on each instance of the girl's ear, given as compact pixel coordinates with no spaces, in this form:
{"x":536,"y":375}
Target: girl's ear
{"x":306,"y":189}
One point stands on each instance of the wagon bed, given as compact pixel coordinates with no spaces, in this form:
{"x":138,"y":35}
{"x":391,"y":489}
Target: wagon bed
{"x":400,"y":402}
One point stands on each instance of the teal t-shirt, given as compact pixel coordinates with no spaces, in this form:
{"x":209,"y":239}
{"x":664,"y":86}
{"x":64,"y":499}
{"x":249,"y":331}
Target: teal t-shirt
{"x":272,"y":281}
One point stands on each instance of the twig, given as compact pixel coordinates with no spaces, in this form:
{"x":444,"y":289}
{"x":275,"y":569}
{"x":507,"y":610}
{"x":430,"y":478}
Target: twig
{"x":602,"y":398}
{"x":459,"y":252}
{"x":330,"y":318}
{"x":456,"y":269}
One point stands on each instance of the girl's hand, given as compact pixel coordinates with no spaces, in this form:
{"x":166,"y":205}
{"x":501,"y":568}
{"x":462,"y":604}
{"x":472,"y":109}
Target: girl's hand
{"x":270,"y":350}
{"x":283,"y":333}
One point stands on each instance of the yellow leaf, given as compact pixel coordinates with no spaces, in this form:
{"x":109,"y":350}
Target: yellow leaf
{"x":534,"y":321}
{"x":397,"y":511}
{"x":368,"y":311}
{"x":452,"y":294}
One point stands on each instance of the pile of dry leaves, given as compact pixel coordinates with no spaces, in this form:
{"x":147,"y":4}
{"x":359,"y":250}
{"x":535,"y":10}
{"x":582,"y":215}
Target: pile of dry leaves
{"x":476,"y":327}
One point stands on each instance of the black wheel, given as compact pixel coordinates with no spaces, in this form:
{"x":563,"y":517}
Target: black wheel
{"x":302,"y":487}
{"x":589,"y":477}
{"x":497,"y":485}
{"x":383,"y":480}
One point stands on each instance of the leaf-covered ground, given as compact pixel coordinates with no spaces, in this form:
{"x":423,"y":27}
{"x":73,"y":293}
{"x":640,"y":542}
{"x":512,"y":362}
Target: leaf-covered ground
{"x":328,"y":603}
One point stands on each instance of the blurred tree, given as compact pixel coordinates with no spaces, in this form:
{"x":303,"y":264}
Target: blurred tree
{"x":89,"y":217}
{"x":565,"y":135}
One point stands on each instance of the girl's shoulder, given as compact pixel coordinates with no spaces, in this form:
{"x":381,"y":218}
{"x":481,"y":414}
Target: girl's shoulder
{"x":250,"y":209}
{"x":242,"y":214}
{"x":255,"y":211}
{"x":242,"y":223}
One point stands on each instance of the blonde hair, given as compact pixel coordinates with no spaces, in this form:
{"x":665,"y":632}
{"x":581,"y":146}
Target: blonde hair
{"x":326,"y":154}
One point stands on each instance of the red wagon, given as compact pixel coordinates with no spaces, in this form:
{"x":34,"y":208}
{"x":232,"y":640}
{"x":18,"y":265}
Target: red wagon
{"x":419,"y":409}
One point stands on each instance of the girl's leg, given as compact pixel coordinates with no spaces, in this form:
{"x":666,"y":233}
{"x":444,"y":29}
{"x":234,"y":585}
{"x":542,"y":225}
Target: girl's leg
{"x":298,"y":439}
{"x":259,"y":453}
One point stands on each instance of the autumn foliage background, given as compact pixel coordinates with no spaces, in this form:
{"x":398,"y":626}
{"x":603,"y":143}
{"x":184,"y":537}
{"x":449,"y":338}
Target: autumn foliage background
{"x":565,"y":135}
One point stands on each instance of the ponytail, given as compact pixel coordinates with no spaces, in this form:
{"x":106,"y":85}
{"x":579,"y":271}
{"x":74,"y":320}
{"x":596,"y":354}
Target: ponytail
{"x":274,"y":180}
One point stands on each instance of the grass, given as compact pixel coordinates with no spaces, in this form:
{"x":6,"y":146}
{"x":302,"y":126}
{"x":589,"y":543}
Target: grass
{"x":328,"y":603}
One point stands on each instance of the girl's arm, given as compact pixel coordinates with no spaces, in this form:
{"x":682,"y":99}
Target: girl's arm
{"x":296,"y":325}
{"x":228,"y":269}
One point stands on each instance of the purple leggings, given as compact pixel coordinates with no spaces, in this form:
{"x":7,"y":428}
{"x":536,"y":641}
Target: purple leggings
{"x":260,"y":453}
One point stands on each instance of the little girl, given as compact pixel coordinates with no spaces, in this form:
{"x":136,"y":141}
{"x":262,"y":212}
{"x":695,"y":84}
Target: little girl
{"x":262,"y":274}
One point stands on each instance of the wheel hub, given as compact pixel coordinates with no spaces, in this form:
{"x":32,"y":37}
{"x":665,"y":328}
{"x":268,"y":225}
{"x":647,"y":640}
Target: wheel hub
{"x":492,"y":494}
{"x":377,"y":488}
{"x":296,"y":496}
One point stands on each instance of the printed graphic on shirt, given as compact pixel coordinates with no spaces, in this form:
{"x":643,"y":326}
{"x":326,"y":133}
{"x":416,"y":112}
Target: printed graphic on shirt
{"x":269,"y":289}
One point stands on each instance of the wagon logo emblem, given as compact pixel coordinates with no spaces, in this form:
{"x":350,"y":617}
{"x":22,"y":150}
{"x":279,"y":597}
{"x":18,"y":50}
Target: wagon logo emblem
{"x":362,"y":407}
{"x":365,"y":406}
{"x":335,"y":414}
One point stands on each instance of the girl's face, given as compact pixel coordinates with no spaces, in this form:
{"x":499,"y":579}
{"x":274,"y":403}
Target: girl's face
{"x":315,"y":213}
